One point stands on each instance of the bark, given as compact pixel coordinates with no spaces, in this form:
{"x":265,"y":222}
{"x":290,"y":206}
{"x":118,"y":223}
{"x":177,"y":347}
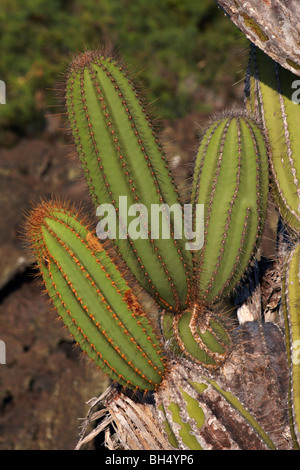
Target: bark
{"x":128,"y":423}
{"x":256,"y":373}
{"x":272,"y":25}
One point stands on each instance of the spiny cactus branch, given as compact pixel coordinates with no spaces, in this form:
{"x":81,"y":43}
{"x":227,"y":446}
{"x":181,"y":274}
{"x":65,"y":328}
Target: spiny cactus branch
{"x":269,"y":90}
{"x":93,"y":299}
{"x":231,"y":180}
{"x":121,"y":156}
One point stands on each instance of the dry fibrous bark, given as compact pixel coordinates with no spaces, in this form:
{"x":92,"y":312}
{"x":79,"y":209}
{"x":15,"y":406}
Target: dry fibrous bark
{"x":126,"y":422}
{"x":257,"y":373}
{"x":272,"y":25}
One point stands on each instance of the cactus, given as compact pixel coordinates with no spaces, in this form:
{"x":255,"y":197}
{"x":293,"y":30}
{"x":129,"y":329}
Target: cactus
{"x":269,"y":96}
{"x":93,"y":298}
{"x":291,"y":309}
{"x":231,"y":180}
{"x":121,"y":156}
{"x":95,"y":284}
{"x":200,"y":409}
{"x":199,"y":335}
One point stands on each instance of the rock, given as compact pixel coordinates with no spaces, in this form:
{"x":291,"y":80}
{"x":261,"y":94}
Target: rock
{"x":29,"y":171}
{"x":45,"y":382}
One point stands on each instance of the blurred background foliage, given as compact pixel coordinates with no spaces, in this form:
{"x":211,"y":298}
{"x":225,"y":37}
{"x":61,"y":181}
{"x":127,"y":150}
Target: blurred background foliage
{"x":183,"y":49}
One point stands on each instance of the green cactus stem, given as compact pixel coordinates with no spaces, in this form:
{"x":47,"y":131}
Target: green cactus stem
{"x":291,"y":310}
{"x":92,"y":297}
{"x":122,"y":157}
{"x":198,"y":334}
{"x":231,"y":180}
{"x":269,"y":96}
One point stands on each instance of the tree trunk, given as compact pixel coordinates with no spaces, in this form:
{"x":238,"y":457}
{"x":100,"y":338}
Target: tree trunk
{"x":272,"y":25}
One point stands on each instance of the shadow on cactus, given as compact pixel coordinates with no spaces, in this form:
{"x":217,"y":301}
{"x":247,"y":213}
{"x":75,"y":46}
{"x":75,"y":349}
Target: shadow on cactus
{"x":98,"y":276}
{"x":269,"y":97}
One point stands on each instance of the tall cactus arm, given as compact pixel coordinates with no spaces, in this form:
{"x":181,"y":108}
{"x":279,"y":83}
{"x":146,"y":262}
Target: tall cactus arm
{"x":291,"y":309}
{"x":231,"y":180}
{"x":122,"y":157}
{"x":269,"y":95}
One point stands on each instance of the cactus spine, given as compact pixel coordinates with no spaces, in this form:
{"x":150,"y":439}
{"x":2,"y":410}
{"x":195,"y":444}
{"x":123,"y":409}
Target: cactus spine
{"x":93,"y":298}
{"x":121,"y":156}
{"x":291,"y":309}
{"x":269,"y":90}
{"x":231,"y":180}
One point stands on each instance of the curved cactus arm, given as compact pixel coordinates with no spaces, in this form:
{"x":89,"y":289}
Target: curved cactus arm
{"x":122,"y":157}
{"x":291,"y":310}
{"x":93,"y":298}
{"x":197,"y":334}
{"x":231,"y":180}
{"x":269,"y":95}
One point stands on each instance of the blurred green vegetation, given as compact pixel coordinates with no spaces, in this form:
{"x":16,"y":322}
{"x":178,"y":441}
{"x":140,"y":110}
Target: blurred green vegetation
{"x":177,"y":45}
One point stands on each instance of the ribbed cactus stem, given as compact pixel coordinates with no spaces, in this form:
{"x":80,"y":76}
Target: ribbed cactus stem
{"x":269,"y":96}
{"x":122,"y":157}
{"x":93,"y":298}
{"x":231,"y":180}
{"x":291,"y":309}
{"x":198,"y":334}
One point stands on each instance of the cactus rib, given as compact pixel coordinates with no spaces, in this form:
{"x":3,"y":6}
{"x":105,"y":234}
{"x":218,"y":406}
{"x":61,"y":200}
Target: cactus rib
{"x":291,"y":309}
{"x":93,"y":298}
{"x":231,"y":180}
{"x":269,"y":96}
{"x":121,"y":156}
